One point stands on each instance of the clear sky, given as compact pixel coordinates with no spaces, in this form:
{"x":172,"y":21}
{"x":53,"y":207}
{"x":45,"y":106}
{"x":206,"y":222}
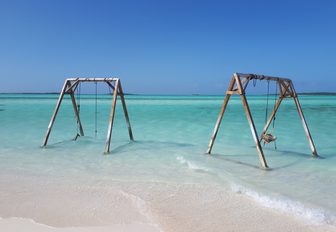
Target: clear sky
{"x":166,"y":47}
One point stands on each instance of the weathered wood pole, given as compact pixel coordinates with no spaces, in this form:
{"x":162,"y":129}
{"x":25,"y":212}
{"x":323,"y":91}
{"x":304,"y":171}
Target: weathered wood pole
{"x":79,"y":124}
{"x":303,"y":120}
{"x":220,"y":117}
{"x":109,"y":131}
{"x":251,"y":122}
{"x":52,"y":120}
{"x":122,"y":98}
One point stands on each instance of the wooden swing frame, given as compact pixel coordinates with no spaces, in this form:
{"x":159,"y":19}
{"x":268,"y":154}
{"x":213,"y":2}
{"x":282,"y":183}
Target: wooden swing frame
{"x":70,"y":86}
{"x":238,"y":85}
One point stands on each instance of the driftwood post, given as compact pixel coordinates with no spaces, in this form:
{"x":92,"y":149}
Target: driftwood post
{"x":123,"y":102}
{"x":219,"y":120}
{"x":238,"y":85}
{"x":109,"y":130}
{"x":53,"y":117}
{"x":250,"y":120}
{"x":74,"y":105}
{"x":70,"y":86}
{"x":304,"y":123}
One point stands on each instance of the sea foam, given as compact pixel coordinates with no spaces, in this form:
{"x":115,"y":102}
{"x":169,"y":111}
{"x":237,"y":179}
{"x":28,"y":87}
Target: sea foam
{"x":312,"y":216}
{"x":191,"y":165}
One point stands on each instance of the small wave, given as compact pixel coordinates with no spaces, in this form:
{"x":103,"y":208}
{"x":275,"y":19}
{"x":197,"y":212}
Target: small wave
{"x":142,"y":207}
{"x":191,"y":165}
{"x":313,"y":216}
{"x":26,"y":224}
{"x":23,"y":220}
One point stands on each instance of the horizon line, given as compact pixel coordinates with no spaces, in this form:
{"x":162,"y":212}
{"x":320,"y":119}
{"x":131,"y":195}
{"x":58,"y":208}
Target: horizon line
{"x":150,"y":94}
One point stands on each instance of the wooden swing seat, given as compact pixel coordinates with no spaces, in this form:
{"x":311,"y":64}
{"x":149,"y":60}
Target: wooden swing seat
{"x":268,"y":138}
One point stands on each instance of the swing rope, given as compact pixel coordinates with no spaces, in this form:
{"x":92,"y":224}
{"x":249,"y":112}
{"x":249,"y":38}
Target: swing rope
{"x":268,"y":137}
{"x":79,"y":96}
{"x":254,"y":81}
{"x":275,"y":101}
{"x":266,"y":110}
{"x":96,"y":109}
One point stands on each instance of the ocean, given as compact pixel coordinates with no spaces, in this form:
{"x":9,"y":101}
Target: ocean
{"x":171,"y":137}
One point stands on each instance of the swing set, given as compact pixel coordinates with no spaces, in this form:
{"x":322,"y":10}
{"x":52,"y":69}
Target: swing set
{"x":71,"y":85}
{"x":238,"y":86}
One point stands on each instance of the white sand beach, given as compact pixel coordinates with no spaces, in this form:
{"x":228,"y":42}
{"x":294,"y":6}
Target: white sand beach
{"x":47,"y":204}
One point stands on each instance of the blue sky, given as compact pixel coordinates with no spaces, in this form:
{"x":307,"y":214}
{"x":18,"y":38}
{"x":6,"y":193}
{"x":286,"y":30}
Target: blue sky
{"x":166,"y":47}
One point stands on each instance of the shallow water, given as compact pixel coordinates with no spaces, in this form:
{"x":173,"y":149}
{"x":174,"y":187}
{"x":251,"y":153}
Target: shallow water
{"x":172,"y":134}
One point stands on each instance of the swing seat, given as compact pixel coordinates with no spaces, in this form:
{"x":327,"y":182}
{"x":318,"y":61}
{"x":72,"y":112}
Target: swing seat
{"x":268,"y":138}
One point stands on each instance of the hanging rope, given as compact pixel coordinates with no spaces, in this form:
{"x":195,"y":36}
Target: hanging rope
{"x":254,"y":82}
{"x":268,"y":137}
{"x":275,"y":101}
{"x":266,"y":110}
{"x":96,"y":108}
{"x":79,"y":97}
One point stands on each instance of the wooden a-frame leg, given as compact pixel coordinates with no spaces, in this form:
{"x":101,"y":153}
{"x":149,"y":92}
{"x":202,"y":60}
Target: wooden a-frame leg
{"x":122,"y":98}
{"x":219,"y":120}
{"x":109,"y":131}
{"x":72,"y":95}
{"x":304,"y":123}
{"x":220,"y":117}
{"x":251,"y":122}
{"x":53,"y":117}
{"x":254,"y":132}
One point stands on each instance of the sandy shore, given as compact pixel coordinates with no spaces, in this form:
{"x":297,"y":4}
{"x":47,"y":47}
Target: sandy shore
{"x":50,"y":204}
{"x":20,"y":224}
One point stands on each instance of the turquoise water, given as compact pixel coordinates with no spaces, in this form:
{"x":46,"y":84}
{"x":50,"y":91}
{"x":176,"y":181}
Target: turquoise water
{"x":172,"y":134}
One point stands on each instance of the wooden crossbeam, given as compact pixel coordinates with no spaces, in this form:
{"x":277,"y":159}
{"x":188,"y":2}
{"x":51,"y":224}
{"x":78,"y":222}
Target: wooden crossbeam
{"x":94,"y":79}
{"x":70,"y":86}
{"x":238,"y":85}
{"x":252,"y":76}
